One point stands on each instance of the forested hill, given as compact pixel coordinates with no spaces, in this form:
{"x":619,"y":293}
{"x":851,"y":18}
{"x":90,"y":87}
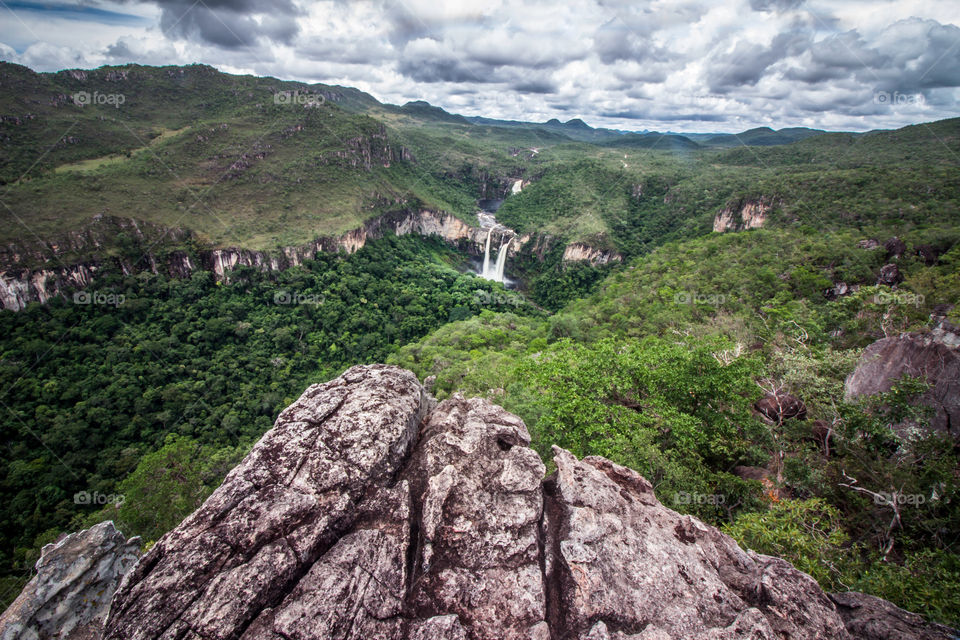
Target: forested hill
{"x":260,"y":163}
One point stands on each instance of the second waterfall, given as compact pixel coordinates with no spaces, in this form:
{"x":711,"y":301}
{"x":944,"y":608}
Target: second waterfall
{"x":496,"y":272}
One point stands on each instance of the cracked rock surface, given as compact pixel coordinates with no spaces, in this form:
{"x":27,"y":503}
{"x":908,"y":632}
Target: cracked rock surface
{"x":76,"y":579}
{"x":370,"y":512}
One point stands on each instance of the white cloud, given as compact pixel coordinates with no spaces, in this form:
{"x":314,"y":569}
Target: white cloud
{"x":689,"y":64}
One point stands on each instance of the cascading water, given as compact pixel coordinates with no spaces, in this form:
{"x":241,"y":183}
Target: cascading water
{"x":488,"y":220}
{"x":502,"y":261}
{"x":486,"y":256}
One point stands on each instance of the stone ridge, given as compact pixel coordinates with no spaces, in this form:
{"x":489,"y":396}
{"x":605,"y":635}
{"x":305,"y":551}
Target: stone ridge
{"x":368,"y":511}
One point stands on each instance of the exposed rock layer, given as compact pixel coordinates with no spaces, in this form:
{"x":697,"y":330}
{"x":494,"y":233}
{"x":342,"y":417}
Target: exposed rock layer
{"x":742,"y":215}
{"x":21,"y":282}
{"x":369,"y":512}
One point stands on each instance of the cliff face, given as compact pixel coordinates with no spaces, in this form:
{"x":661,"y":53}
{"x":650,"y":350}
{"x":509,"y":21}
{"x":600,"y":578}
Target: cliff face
{"x":20,"y":284}
{"x":369,"y":511}
{"x":579,"y":252}
{"x":742,"y":215}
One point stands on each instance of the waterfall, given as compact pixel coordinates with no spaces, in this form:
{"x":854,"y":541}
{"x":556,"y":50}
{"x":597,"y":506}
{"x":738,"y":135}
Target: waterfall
{"x":502,"y":261}
{"x":517,"y":186}
{"x":486,"y":257}
{"x":495,"y":272}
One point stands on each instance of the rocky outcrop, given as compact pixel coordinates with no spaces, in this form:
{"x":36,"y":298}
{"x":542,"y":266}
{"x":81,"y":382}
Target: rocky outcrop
{"x":580,"y":252}
{"x":931,"y":356}
{"x":368,"y":511}
{"x":874,"y":619}
{"x":70,"y":596}
{"x":928,"y":253}
{"x":777,"y":407}
{"x":742,"y":215}
{"x":839,"y":290}
{"x":889,"y":275}
{"x":895,"y":248}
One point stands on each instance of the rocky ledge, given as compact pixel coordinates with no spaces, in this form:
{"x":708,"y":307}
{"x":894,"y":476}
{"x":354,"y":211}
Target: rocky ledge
{"x":370,"y":511}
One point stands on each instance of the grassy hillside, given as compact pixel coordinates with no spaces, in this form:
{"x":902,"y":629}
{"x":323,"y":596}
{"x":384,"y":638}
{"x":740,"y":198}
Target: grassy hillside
{"x":259,"y":163}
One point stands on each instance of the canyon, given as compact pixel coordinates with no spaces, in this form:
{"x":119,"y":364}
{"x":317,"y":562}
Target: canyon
{"x":22,"y":281}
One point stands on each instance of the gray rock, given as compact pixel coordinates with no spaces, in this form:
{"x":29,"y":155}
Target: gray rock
{"x":929,"y":356}
{"x":480,"y":497}
{"x":76,"y":579}
{"x":775,"y":408}
{"x":277,"y":514}
{"x":870,"y":618}
{"x":358,"y":516}
{"x":618,"y":556}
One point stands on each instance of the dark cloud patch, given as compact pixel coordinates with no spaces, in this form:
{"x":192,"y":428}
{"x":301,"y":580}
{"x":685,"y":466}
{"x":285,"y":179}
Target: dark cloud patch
{"x":665,"y":117}
{"x":617,"y":41}
{"x":230,"y":24}
{"x":426,"y":69}
{"x":775,"y":5}
{"x":534,"y":86}
{"x":926,"y":56}
{"x":428,"y":60}
{"x":628,"y":35}
{"x":748,"y":62}
{"x":120,"y":51}
{"x":344,"y":51}
{"x":909,"y":56}
{"x":408,"y":22}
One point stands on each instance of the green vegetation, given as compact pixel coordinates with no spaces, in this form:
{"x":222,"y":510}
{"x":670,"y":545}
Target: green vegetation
{"x":658,"y":367}
{"x":89,"y":390}
{"x":654,"y":362}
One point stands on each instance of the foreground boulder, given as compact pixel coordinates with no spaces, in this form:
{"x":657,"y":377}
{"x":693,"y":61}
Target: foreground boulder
{"x":369,"y":512}
{"x":76,"y":579}
{"x":931,"y":356}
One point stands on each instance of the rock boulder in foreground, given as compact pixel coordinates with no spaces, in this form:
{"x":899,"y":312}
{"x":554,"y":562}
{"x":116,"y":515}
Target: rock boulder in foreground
{"x":368,"y":512}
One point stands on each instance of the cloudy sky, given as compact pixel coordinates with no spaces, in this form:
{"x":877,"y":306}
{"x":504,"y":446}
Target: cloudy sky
{"x":722,"y":65}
